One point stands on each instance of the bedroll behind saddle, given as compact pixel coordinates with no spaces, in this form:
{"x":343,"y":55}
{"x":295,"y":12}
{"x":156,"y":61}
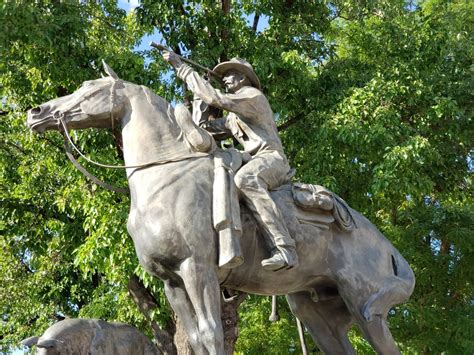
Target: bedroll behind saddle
{"x":317,"y":198}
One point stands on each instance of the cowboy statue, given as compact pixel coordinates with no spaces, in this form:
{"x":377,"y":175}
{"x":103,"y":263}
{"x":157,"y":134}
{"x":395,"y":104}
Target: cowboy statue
{"x":183,"y":216}
{"x":250,"y":122}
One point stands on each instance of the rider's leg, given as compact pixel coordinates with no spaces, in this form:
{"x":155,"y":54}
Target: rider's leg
{"x":261,"y":173}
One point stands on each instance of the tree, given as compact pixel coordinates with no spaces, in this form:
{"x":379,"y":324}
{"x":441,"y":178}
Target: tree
{"x":373,"y":99}
{"x":397,"y":144}
{"x":61,"y":254}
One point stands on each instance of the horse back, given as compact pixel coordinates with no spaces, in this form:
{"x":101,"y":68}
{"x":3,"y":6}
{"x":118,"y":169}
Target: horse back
{"x":330,"y":256}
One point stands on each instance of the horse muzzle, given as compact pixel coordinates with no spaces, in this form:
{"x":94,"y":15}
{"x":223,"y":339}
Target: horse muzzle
{"x":41,"y":118}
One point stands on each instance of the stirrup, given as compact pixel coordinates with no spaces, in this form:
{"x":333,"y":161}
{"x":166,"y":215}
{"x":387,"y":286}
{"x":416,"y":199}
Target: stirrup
{"x":228,"y":295}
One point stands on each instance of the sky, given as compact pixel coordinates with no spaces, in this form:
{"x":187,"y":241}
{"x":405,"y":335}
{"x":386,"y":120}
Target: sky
{"x":130,"y":5}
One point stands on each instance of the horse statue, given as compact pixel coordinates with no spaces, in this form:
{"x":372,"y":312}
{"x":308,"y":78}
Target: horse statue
{"x":345,"y":277}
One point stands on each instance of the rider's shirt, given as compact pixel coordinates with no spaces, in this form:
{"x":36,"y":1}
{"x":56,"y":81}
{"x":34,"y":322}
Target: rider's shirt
{"x":250,"y":118}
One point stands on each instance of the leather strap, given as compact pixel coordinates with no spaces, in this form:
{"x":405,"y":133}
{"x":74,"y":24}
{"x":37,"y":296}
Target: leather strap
{"x":84,"y":171}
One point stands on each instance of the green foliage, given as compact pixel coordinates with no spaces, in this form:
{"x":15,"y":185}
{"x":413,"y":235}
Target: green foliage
{"x":65,"y":251}
{"x":258,"y":335}
{"x":376,"y":100}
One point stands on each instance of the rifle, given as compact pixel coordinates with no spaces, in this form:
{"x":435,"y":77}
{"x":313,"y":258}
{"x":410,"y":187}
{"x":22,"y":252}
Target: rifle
{"x":189,"y":61}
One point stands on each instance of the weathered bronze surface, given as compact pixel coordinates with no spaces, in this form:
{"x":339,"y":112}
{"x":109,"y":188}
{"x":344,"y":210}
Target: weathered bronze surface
{"x":344,"y":276}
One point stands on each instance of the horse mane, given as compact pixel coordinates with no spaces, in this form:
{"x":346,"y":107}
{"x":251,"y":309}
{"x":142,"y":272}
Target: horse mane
{"x":155,"y":100}
{"x":151,"y":97}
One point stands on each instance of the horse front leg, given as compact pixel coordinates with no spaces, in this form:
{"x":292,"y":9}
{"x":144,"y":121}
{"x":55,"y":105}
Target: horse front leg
{"x":182,"y":306}
{"x":202,"y":287}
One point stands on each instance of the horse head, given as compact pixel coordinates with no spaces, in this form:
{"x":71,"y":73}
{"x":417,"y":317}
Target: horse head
{"x":150,"y":132}
{"x":94,"y":104}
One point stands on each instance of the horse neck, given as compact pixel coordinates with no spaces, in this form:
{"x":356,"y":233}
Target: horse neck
{"x":149,"y":130}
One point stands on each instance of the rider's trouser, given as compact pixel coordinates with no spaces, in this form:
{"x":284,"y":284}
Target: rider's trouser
{"x":266,"y":171}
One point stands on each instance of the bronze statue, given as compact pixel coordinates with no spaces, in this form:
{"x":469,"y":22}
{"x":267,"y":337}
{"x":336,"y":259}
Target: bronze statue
{"x":91,"y":336}
{"x":348,"y":272}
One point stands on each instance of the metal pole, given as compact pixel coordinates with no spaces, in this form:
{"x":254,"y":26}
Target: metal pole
{"x":274,"y":317}
{"x":304,"y":348}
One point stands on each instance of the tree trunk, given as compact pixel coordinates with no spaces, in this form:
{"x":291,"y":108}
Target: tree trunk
{"x":180,"y":339}
{"x":445,"y":247}
{"x":147,"y":303}
{"x":230,"y":322}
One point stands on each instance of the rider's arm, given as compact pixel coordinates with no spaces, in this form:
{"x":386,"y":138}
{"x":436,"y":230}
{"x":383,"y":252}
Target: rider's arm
{"x":217,"y":128}
{"x":246,"y":102}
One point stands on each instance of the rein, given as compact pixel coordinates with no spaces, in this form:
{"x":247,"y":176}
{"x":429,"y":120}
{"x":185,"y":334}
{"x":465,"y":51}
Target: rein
{"x":86,"y":173}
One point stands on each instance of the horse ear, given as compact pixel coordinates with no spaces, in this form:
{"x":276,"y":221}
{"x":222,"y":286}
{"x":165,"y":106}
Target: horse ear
{"x":47,"y":343}
{"x":109,"y":70}
{"x":29,"y":342}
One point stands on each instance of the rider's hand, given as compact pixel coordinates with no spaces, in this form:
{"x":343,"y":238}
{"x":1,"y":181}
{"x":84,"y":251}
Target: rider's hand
{"x":172,"y":58}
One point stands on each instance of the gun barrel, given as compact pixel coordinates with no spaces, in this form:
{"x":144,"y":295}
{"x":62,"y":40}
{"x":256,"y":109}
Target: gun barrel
{"x":186,"y":60}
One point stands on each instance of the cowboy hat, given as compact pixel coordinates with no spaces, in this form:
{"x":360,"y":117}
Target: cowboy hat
{"x":242,"y":66}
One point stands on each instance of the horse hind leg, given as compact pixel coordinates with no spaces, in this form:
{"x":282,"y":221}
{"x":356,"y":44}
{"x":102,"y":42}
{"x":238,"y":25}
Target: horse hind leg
{"x":395,"y":289}
{"x":371,"y":315}
{"x":327,"y":321}
{"x":380,"y":302}
{"x":378,"y":335}
{"x":371,"y":318}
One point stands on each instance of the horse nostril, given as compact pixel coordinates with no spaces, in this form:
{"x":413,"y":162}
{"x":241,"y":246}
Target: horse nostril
{"x":36,"y":110}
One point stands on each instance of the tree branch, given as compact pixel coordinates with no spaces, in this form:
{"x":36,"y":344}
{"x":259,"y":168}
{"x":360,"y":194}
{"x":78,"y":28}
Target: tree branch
{"x":256,"y":18}
{"x":43,"y":137}
{"x":225,"y":6}
{"x":289,"y":123}
{"x":19,"y":205}
{"x":146,"y":304}
{"x":224,"y":35}
{"x":20,"y":149}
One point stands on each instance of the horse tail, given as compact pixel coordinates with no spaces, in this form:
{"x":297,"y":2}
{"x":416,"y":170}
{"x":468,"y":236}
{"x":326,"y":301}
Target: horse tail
{"x":396,"y":288}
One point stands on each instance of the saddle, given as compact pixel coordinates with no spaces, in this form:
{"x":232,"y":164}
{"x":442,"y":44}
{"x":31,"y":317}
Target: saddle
{"x":314,"y":204}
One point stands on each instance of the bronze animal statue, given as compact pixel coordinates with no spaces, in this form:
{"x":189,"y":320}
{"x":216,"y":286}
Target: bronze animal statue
{"x":91,"y":336}
{"x":345,"y":277}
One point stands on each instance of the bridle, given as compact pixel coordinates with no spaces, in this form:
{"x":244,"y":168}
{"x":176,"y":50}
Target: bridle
{"x":69,"y":144}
